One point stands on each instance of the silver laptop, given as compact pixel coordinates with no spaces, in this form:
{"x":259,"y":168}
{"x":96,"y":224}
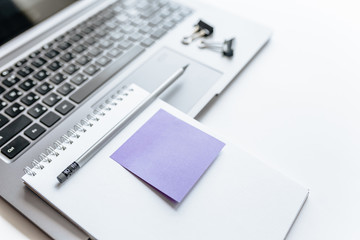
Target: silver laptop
{"x":60,"y":59}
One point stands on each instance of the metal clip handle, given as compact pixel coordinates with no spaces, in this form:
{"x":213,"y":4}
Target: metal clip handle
{"x":201,"y":29}
{"x":226,"y":47}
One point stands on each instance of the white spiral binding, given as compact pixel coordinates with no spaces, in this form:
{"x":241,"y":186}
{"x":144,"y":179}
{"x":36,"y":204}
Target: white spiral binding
{"x":73,"y":133}
{"x":36,"y":164}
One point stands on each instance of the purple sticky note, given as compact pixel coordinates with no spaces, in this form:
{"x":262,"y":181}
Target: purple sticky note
{"x":169,"y":154}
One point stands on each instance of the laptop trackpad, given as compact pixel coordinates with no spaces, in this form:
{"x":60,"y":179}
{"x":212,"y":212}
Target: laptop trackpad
{"x":187,"y":90}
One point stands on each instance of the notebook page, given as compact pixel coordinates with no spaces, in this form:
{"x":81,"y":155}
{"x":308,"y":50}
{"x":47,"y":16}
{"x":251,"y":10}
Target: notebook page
{"x":238,"y":197}
{"x":86,"y":139}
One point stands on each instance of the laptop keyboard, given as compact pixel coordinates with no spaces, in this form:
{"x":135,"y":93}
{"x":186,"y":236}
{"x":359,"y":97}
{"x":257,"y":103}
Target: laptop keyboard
{"x":43,"y":88}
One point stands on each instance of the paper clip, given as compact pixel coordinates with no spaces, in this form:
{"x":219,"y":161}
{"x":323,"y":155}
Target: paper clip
{"x":201,"y":29}
{"x":225,"y":47}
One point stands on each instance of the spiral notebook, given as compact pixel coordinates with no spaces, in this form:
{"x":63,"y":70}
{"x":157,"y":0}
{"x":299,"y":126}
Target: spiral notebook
{"x":237,"y":197}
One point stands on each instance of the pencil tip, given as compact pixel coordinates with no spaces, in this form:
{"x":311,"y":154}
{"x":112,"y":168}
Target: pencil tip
{"x":185,"y":67}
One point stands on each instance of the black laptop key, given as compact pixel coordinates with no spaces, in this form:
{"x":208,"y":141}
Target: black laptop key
{"x":158,"y":33}
{"x":105,"y":43}
{"x":145,"y":29}
{"x":147,"y":42}
{"x":143,"y":5}
{"x":136,"y":22}
{"x":13,"y":128}
{"x":52,"y":53}
{"x":12,"y":95}
{"x":122,"y":18}
{"x":50,"y":119}
{"x":26,"y":70}
{"x":64,"y":45}
{"x":177,"y":18}
{"x":2,"y":89}
{"x":64,"y":107}
{"x":38,"y":62}
{"x":83,"y":60}
{"x":51,"y":99}
{"x":14,"y":110}
{"x":79,"y":79}
{"x":79,"y":48}
{"x":155,"y":21}
{"x":135,"y":37}
{"x":15,"y":147}
{"x":103,"y":61}
{"x":95,"y":51}
{"x":55,"y":65}
{"x":11,"y":81}
{"x":147,"y":13}
{"x":67,"y":57}
{"x":91,"y":69}
{"x":116,"y":35}
{"x":58,"y":78}
{"x":2,"y":104}
{"x":27,"y":84}
{"x":76,"y":37}
{"x":108,"y":15}
{"x":41,"y":75}
{"x":87,"y":30}
{"x":3,"y":120}
{"x":173,"y":6}
{"x":127,"y":29}
{"x":37,"y":110}
{"x":100,"y":79}
{"x":111,"y":25}
{"x":30,"y":98}
{"x":124,"y":44}
{"x":6,"y":72}
{"x":168,"y":25}
{"x":34,"y":131}
{"x":70,"y":69}
{"x":114,"y":52}
{"x":44,"y":88}
{"x":101,"y":33}
{"x":65,"y":89}
{"x":90,"y":41}
{"x":98,"y":22}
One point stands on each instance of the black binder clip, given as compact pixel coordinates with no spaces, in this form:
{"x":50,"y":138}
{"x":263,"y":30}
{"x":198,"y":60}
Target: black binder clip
{"x":201,"y":29}
{"x":225,"y":47}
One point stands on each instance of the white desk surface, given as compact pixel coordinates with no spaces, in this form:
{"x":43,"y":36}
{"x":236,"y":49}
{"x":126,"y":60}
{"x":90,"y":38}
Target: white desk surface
{"x":296,"y":107}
